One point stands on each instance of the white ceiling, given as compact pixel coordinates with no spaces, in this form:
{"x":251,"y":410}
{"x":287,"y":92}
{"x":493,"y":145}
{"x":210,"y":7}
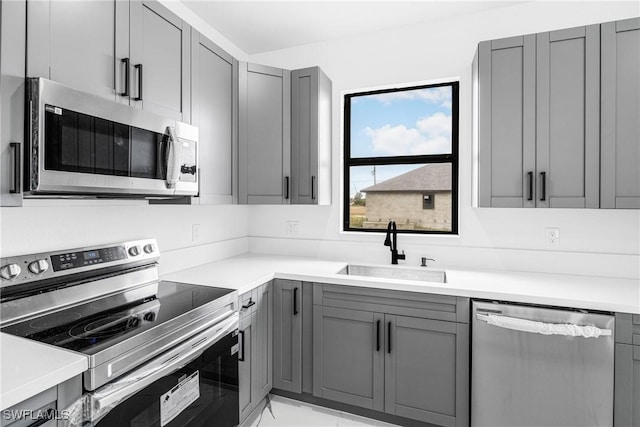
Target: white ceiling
{"x":261,"y":25}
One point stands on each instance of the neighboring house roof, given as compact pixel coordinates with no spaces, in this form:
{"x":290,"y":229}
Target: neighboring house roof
{"x":432,"y":177}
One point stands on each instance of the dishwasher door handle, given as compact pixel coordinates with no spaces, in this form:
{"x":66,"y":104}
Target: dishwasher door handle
{"x":532,"y":326}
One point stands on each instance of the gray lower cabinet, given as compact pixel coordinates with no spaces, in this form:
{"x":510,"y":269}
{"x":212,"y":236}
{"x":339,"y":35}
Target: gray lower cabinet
{"x":12,"y":64}
{"x":627,"y":371}
{"x":310,"y":137}
{"x":57,"y":404}
{"x":287,"y":335}
{"x":255,"y":354}
{"x":426,"y":369}
{"x":136,"y":52}
{"x":349,"y":356}
{"x":264,"y":135}
{"x":214,"y":100}
{"x":402,"y":353}
{"x":620,"y":128}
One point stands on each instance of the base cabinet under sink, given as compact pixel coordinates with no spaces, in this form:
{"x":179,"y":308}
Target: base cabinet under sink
{"x":379,"y":350}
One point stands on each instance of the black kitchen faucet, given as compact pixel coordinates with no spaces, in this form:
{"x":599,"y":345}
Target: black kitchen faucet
{"x":392,"y":230}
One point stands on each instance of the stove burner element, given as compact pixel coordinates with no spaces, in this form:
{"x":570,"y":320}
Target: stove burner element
{"x":104,"y":328}
{"x":57,"y":319}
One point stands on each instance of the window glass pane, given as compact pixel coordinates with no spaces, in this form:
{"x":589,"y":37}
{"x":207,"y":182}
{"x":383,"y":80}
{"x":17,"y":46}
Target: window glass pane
{"x":402,"y":123}
{"x":397,"y":192}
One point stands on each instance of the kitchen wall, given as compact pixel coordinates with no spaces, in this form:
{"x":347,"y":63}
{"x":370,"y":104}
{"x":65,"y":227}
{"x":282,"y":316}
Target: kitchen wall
{"x":41,"y":225}
{"x":592,"y":242}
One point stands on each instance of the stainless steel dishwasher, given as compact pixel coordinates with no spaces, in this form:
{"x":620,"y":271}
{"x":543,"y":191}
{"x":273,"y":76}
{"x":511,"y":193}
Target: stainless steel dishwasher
{"x":537,"y":366}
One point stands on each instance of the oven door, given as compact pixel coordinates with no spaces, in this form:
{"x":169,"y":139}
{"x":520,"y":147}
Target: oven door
{"x":192,"y":385}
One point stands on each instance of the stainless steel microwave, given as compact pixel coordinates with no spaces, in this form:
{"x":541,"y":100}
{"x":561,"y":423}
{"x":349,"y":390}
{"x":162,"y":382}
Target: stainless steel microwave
{"x":79,"y":144}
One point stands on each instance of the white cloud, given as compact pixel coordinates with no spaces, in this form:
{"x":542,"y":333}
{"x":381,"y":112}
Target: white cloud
{"x":436,"y":95}
{"x":432,"y":135}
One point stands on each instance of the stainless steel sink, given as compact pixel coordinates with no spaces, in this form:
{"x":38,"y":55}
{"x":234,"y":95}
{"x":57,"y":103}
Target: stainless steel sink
{"x":404,"y":273}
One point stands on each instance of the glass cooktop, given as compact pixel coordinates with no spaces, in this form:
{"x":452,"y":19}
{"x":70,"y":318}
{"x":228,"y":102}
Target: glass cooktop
{"x":97,"y":325}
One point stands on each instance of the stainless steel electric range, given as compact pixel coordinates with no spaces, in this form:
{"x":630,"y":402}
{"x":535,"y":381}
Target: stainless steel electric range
{"x":160,"y":353}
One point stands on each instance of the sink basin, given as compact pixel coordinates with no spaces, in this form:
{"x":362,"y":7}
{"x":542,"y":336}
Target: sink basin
{"x":404,"y":273}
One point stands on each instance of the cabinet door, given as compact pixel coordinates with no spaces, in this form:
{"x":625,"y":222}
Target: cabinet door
{"x":12,"y":28}
{"x":160,"y":55}
{"x":262,"y":380}
{"x":304,"y":136}
{"x":426,"y":370}
{"x":568,"y":125}
{"x":287,"y":335}
{"x":75,"y":43}
{"x":620,"y":92}
{"x":627,"y":385}
{"x":246,"y":364}
{"x":348,"y":358}
{"x":214,"y":111}
{"x":264,"y":131}
{"x":506,"y":114}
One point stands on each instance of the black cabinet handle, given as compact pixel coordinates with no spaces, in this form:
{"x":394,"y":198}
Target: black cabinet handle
{"x":543,"y":177}
{"x":295,"y":301}
{"x":313,"y":184}
{"x":126,"y":77}
{"x":378,"y":335}
{"x":241,"y":359}
{"x":389,"y":337}
{"x":139,"y":68}
{"x":530,"y":179}
{"x":286,"y":187}
{"x":15,"y":146}
{"x":250,"y":304}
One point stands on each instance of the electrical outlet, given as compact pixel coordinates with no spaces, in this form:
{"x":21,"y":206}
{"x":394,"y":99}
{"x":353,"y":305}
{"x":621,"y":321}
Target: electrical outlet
{"x":293,"y":228}
{"x":552,"y":237}
{"x":195,"y":232}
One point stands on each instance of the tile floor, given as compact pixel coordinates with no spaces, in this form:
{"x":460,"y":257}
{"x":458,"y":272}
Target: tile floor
{"x":281,"y":411}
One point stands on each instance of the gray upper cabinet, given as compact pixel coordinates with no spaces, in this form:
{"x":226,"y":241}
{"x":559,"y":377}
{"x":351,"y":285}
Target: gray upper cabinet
{"x":79,"y":44}
{"x":620,"y":127}
{"x":310,"y":137}
{"x":214,"y":100}
{"x":505,"y":72}
{"x":264,"y":135}
{"x":567,"y":118}
{"x":12,"y":87}
{"x":160,"y":55}
{"x":287,"y":335}
{"x":135,"y":52}
{"x":557,"y":118}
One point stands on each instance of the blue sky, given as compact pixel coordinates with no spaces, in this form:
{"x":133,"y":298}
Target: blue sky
{"x":398,"y":123}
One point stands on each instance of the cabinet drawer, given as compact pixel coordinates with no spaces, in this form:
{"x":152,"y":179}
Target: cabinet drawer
{"x":247,"y":302}
{"x":438,"y":307}
{"x":636,"y":329}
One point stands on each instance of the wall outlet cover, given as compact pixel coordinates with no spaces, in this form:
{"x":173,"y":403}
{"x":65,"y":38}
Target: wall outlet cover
{"x":293,"y":228}
{"x":552,"y":237}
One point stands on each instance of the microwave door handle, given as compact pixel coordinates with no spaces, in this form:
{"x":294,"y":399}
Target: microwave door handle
{"x":174,"y":158}
{"x":104,"y":399}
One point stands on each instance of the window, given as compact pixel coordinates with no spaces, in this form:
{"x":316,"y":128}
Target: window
{"x":427,"y":201}
{"x":401,"y":154}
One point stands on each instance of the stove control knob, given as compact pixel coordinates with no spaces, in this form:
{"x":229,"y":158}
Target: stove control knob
{"x":39,"y":266}
{"x":149,"y":248}
{"x":10,"y":271}
{"x":134,"y":250}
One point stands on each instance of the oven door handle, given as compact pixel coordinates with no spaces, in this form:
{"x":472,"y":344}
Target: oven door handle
{"x":107,"y":397}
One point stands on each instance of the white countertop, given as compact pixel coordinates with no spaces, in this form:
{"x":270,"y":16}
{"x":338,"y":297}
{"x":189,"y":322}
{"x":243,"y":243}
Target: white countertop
{"x":247,"y":271}
{"x":28,"y":368}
